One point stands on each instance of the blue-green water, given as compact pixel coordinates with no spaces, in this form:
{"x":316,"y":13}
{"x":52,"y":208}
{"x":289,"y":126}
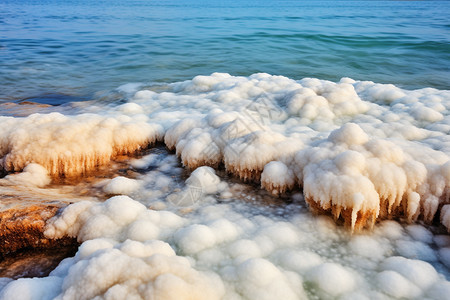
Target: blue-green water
{"x":84,"y":48}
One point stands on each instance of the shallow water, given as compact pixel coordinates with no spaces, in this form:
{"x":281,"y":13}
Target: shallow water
{"x":87,"y":49}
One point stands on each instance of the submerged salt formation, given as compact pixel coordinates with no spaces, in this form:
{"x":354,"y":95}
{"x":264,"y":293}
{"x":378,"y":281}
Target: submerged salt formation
{"x":359,"y":150}
{"x":233,"y":251}
{"x":118,"y":243}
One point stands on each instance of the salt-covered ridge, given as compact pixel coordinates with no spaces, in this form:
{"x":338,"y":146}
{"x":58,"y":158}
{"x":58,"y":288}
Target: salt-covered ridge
{"x":359,"y":150}
{"x":70,"y":145}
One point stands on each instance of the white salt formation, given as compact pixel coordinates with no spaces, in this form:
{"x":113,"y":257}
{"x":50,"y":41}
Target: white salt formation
{"x":206,"y":179}
{"x":121,"y":186}
{"x":202,"y":182}
{"x":277,"y":177}
{"x":231,"y":250}
{"x":360,"y":151}
{"x":70,"y":145}
{"x":32,"y":175}
{"x":119,"y":257}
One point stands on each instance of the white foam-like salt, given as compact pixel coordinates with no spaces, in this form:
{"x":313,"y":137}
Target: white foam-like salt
{"x":444,"y":256}
{"x":331,"y":278}
{"x":121,"y":186}
{"x":416,"y":250}
{"x":359,"y":151}
{"x":397,"y":286}
{"x":277,"y":257}
{"x":32,"y":175}
{"x":32,"y":288}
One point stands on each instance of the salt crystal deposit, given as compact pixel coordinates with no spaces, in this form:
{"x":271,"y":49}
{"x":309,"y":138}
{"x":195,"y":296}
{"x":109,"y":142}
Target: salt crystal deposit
{"x":70,"y":145}
{"x":357,"y":151}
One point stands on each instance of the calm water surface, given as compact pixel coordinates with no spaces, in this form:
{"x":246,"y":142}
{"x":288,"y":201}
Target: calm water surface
{"x":84,"y":49}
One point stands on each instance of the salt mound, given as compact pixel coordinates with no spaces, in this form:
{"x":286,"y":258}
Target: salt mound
{"x":363,"y":179}
{"x":232,"y":139}
{"x":32,"y":175}
{"x":246,"y":156}
{"x":121,"y":186}
{"x":332,"y":279}
{"x":260,"y":279}
{"x":395,"y":285}
{"x":229,"y":251}
{"x":70,"y":145}
{"x":114,"y":261}
{"x":359,"y":150}
{"x":109,"y":264}
{"x":203,"y":181}
{"x":277,"y":177}
{"x":32,"y":288}
{"x":135,"y":270}
{"x":206,"y":179}
{"x":406,"y":278}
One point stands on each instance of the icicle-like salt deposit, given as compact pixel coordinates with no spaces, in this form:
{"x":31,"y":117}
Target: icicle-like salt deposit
{"x":277,"y":177}
{"x":359,"y":150}
{"x":70,"y":145}
{"x":445,"y":216}
{"x":364,"y":151}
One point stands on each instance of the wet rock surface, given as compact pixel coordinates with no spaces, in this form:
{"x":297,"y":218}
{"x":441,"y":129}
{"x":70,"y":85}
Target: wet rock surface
{"x":22,"y":227}
{"x":24,"y":250}
{"x":35,"y":262}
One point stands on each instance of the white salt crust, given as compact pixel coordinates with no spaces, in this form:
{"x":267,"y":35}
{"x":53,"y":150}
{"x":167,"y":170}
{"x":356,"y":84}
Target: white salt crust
{"x":71,"y":145}
{"x":223,"y":252}
{"x":360,"y":151}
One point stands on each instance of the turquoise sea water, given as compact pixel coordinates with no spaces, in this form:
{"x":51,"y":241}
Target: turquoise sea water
{"x":81,"y":49}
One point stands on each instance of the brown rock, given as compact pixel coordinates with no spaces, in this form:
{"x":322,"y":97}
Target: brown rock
{"x":22,"y":227}
{"x":24,"y":250}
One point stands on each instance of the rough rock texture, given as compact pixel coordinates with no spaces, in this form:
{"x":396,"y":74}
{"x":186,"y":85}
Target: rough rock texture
{"x":24,"y":251}
{"x":22,"y":226}
{"x":35,"y":262}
